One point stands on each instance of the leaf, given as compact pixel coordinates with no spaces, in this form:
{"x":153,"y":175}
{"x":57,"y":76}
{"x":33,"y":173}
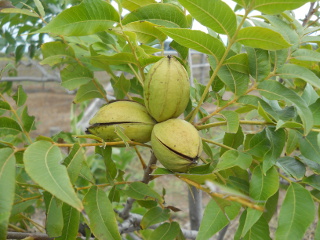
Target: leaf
{"x":233,"y":140}
{"x":153,"y":216}
{"x":232,"y":119}
{"x":89,"y":17}
{"x":4,"y":105}
{"x":236,"y":82}
{"x":259,"y":63}
{"x":214,"y":218}
{"x":309,"y":146}
{"x":40,"y":7}
{"x":264,"y":38}
{"x":116,"y":59}
{"x":71,"y":220}
{"x":309,"y":95}
{"x":306,"y":55}
{"x":296,"y":214}
{"x":92,"y":89}
{"x":42,"y":163}
{"x":132,"y":5}
{"x":277,"y":6}
{"x":238,"y":63}
{"x":9,"y":126}
{"x":294,"y":71}
{"x":102,"y":218}
{"x":141,"y":191}
{"x":262,"y":187}
{"x":73,"y":162}
{"x":258,"y":144}
{"x":277,"y":140}
{"x":311,"y":164}
{"x":166,"y":231}
{"x":260,"y":230}
{"x":19,"y":52}
{"x":145,"y":31}
{"x":19,"y":11}
{"x":292,"y":167}
{"x":27,"y":121}
{"x":313,"y":181}
{"x":315,"y":108}
{"x":162,"y":14}
{"x":276,"y":91}
{"x":111,"y":169}
{"x":75,"y":75}
{"x":7,"y":188}
{"x":121,"y":86}
{"x":196,"y":40}
{"x":216,"y":15}
{"x":56,"y":52}
{"x":20,"y":97}
{"x":233,"y":158}
{"x":54,"y":221}
{"x":199,"y":178}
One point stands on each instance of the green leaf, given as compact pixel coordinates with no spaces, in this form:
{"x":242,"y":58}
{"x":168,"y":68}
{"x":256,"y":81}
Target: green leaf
{"x":277,"y":6}
{"x":9,"y":126}
{"x":4,"y":105}
{"x":306,"y":55}
{"x":7,"y":188}
{"x":313,"y":181}
{"x":54,"y":221}
{"x":92,"y":89}
{"x":311,"y":164}
{"x":145,"y":31}
{"x":73,"y":162}
{"x":116,"y":59}
{"x":75,"y":75}
{"x":296,"y":214}
{"x":27,"y":120}
{"x":292,"y":141}
{"x":132,"y":5}
{"x":258,"y":144}
{"x":259,"y":63}
{"x":199,"y":178}
{"x":259,"y":37}
{"x":196,"y":40}
{"x":260,"y":230}
{"x":239,"y":63}
{"x":291,"y":71}
{"x":309,"y":95}
{"x":233,"y":158}
{"x":20,"y":97}
{"x":71,"y":219}
{"x":19,"y":52}
{"x":42,"y":163}
{"x":277,"y":140}
{"x":309,"y":146}
{"x":315,"y":108}
{"x":214,"y":218}
{"x":111,"y":169}
{"x":166,"y":231}
{"x":141,"y":191}
{"x":40,"y":7}
{"x":102,"y":218}
{"x":276,"y":91}
{"x":19,"y":11}
{"x":162,"y":14}
{"x":57,"y":52}
{"x":233,"y":140}
{"x":262,"y":187}
{"x":153,"y":216}
{"x":89,"y":17}
{"x":216,"y":15}
{"x":292,"y":167}
{"x":121,"y":86}
{"x":232,"y":119}
{"x":236,"y":82}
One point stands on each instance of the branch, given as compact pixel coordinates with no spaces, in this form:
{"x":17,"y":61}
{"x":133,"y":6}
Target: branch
{"x":36,"y":236}
{"x":30,"y":79}
{"x":309,"y":14}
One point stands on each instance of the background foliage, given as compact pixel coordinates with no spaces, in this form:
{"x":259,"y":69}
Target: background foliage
{"x":264,"y":73}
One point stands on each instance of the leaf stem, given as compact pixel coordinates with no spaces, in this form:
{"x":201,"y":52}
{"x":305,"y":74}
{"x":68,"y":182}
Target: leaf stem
{"x":218,"y":144}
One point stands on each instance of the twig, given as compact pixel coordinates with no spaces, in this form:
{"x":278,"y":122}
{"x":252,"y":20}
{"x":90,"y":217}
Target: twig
{"x":309,"y":14}
{"x":20,"y":235}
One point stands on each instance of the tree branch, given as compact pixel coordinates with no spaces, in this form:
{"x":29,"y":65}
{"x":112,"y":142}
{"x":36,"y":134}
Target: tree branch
{"x":311,"y":11}
{"x":20,"y":235}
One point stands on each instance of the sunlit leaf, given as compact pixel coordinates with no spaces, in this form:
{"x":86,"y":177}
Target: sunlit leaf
{"x":92,"y":89}
{"x":18,"y":10}
{"x":259,"y":63}
{"x":56,"y":52}
{"x":239,"y":63}
{"x":216,"y":15}
{"x":88,"y":17}
{"x":162,"y":14}
{"x":132,"y":5}
{"x":232,"y":119}
{"x":20,"y":97}
{"x":264,"y":38}
{"x":9,"y":126}
{"x":75,"y":75}
{"x":277,"y":6}
{"x":42,"y":163}
{"x":233,"y":158}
